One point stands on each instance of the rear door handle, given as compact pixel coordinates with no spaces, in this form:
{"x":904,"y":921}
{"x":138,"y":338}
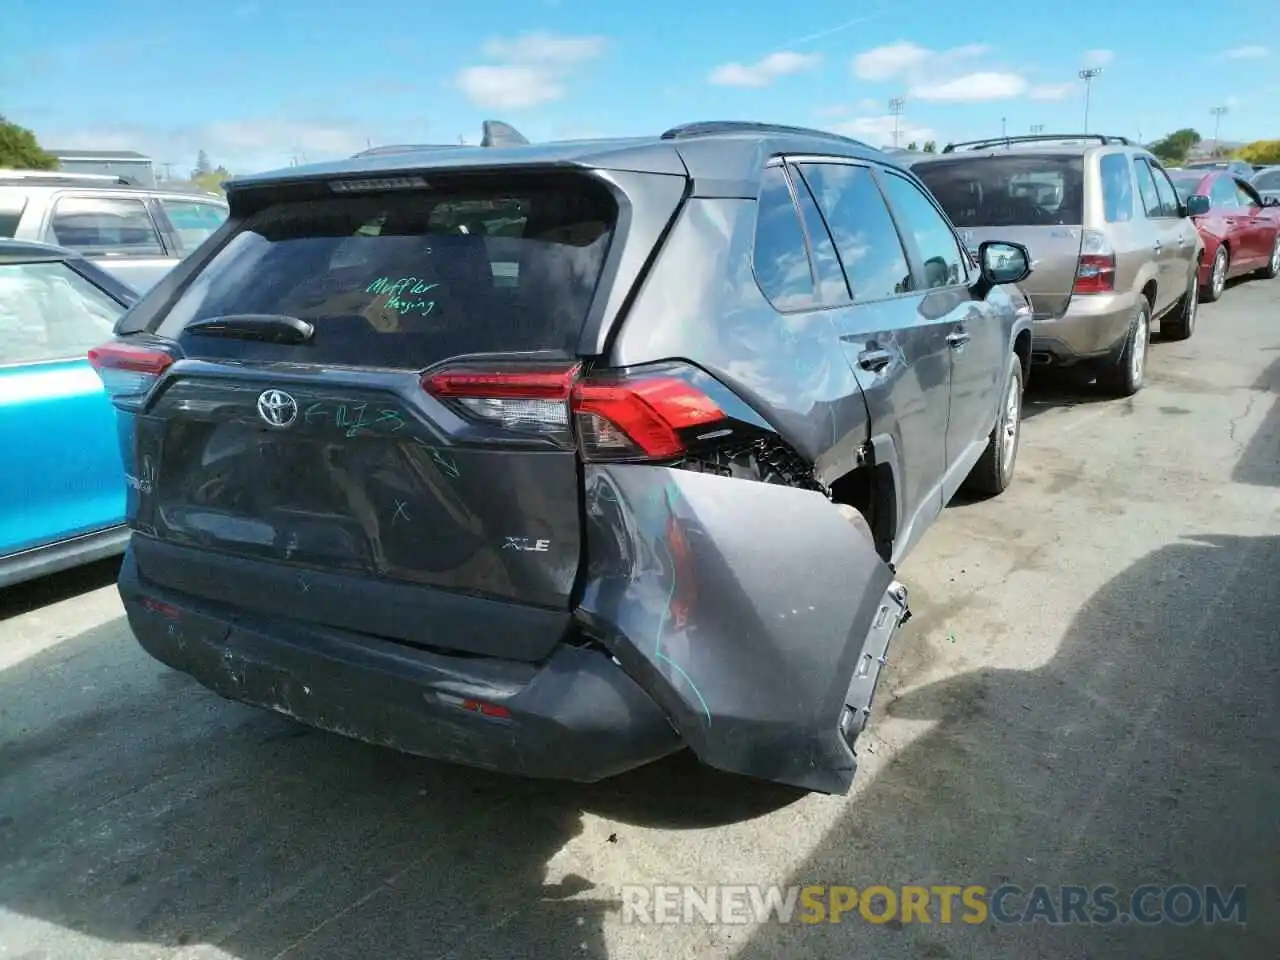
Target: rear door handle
{"x":874,"y":360}
{"x":957,"y":339}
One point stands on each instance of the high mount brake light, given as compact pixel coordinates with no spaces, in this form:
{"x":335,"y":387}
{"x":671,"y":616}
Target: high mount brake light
{"x":128,"y":371}
{"x":622,"y":417}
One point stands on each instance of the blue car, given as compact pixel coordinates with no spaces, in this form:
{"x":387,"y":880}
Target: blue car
{"x":62,"y":483}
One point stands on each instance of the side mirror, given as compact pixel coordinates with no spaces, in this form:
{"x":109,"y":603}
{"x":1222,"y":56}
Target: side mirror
{"x":1197,"y":205}
{"x":1002,"y":262}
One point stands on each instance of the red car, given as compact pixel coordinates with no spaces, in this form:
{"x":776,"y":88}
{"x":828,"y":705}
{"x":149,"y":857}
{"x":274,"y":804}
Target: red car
{"x":1241,"y":232}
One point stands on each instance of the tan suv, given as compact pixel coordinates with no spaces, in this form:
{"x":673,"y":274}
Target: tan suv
{"x":1112,"y":248}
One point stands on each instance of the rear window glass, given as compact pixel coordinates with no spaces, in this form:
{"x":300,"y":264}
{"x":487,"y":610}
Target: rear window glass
{"x":405,"y":279}
{"x":193,"y":221}
{"x":1011,"y":191}
{"x":1270,"y":180}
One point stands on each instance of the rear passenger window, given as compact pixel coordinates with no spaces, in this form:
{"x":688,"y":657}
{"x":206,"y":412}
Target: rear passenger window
{"x":944,"y":261}
{"x":1147,"y":187}
{"x":865,"y":238}
{"x":832,"y":287}
{"x":1117,"y":188}
{"x":193,"y":221}
{"x":105,"y":224}
{"x":1164,"y":190}
{"x":1223,"y":194}
{"x":781,"y":258}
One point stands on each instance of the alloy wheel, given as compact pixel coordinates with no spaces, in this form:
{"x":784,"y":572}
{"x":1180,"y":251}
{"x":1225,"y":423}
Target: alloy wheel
{"x":1219,"y":273}
{"x":1138,"y":356}
{"x":1012,"y":420}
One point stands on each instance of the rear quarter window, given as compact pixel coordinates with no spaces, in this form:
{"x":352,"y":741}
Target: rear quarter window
{"x":1117,"y":187}
{"x":1008,"y":191}
{"x":405,"y":279}
{"x":118,"y":225}
{"x":12,"y":203}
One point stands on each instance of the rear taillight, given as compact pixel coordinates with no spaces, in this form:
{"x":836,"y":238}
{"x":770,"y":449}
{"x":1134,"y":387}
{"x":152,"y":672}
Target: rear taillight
{"x":639,"y":417}
{"x":619,"y":416}
{"x":1096,"y":269}
{"x":128,"y":371}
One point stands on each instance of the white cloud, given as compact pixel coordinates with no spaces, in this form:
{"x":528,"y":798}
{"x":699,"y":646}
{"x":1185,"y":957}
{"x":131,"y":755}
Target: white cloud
{"x":866,"y":104}
{"x":1097,"y":58}
{"x":1250,"y":52}
{"x":889,"y":61}
{"x":510,"y":87}
{"x":763,"y":72}
{"x":904,"y":58}
{"x":971,"y":87}
{"x":532,"y":69}
{"x":879,"y":130}
{"x":1050,"y":91}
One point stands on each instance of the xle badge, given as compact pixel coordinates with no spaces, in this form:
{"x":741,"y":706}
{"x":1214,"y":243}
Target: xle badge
{"x":526,"y":545}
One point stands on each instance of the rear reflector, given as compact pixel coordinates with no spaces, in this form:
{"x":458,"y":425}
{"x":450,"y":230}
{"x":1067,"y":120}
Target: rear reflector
{"x":1096,"y":269}
{"x":128,"y":371}
{"x":622,"y":416}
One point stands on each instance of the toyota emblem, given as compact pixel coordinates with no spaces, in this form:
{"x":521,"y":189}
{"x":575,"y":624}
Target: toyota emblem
{"x":277,"y":409}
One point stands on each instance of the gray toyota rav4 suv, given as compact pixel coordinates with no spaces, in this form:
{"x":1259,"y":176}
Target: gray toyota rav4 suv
{"x":560,"y":458}
{"x":1112,"y":247}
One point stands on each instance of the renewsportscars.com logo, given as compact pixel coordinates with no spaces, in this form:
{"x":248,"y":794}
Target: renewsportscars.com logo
{"x":1145,"y":905}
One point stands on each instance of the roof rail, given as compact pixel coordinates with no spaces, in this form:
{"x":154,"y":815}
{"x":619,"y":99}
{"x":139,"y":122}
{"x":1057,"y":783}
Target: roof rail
{"x":1033,"y":138}
{"x":64,"y":176}
{"x":710,"y":128}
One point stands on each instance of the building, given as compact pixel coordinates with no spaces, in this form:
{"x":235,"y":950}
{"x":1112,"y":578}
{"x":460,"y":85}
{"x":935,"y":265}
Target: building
{"x":117,"y":163}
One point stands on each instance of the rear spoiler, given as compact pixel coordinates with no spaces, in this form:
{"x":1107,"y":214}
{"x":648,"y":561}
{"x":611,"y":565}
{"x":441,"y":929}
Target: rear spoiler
{"x":493,"y":133}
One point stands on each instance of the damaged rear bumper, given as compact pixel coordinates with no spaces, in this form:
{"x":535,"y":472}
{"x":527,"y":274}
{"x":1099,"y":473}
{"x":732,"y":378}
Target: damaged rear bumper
{"x":746,"y":621}
{"x":576,"y":716}
{"x":753,"y":613}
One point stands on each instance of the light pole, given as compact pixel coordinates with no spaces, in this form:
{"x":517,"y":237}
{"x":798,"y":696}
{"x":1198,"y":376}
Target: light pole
{"x":1218,"y":114}
{"x":1004,"y":126}
{"x":1087,"y":76}
{"x":895,"y":107}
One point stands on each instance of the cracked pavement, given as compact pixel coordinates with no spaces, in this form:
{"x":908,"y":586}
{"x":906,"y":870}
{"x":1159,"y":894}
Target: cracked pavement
{"x":1087,"y":693}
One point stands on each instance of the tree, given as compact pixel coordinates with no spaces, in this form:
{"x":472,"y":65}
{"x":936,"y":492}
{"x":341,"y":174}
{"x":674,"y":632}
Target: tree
{"x":203,"y":166}
{"x":19,"y":149}
{"x":912,"y":146}
{"x":1260,"y":151}
{"x":1174,"y":147}
{"x":930,"y":147}
{"x":211,"y":180}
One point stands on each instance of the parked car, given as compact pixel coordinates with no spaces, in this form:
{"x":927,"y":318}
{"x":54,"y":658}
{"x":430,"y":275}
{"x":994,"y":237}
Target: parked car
{"x":1112,"y":249}
{"x":1236,"y":168}
{"x":1267,"y":182}
{"x":644,"y":488}
{"x":135,"y":233}
{"x":62,"y":486}
{"x":1240,"y":231}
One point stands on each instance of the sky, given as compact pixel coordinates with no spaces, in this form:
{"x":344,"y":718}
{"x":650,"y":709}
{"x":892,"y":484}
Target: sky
{"x":259,"y":84}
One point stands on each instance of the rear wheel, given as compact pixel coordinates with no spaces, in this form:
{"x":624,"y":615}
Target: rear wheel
{"x":993,"y":473}
{"x":1272,"y":269}
{"x":1218,"y":275}
{"x":1124,"y":377}
{"x":1181,"y":323}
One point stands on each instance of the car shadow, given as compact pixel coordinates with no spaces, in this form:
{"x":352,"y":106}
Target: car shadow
{"x":138,"y":808}
{"x":44,"y":591}
{"x":1259,"y":461}
{"x":1052,"y":388}
{"x":1147,"y":750}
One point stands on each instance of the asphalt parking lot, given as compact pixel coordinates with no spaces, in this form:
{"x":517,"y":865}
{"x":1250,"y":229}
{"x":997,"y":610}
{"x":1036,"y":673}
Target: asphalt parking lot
{"x":1088,"y":693}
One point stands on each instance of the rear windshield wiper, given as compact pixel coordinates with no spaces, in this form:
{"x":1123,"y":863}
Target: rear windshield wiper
{"x":268,"y":327}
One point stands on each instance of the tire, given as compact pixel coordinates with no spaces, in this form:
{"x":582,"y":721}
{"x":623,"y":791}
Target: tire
{"x":993,"y":473}
{"x":1272,"y":269}
{"x":1124,"y":377}
{"x":1180,"y":324}
{"x":1217,"y":276}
